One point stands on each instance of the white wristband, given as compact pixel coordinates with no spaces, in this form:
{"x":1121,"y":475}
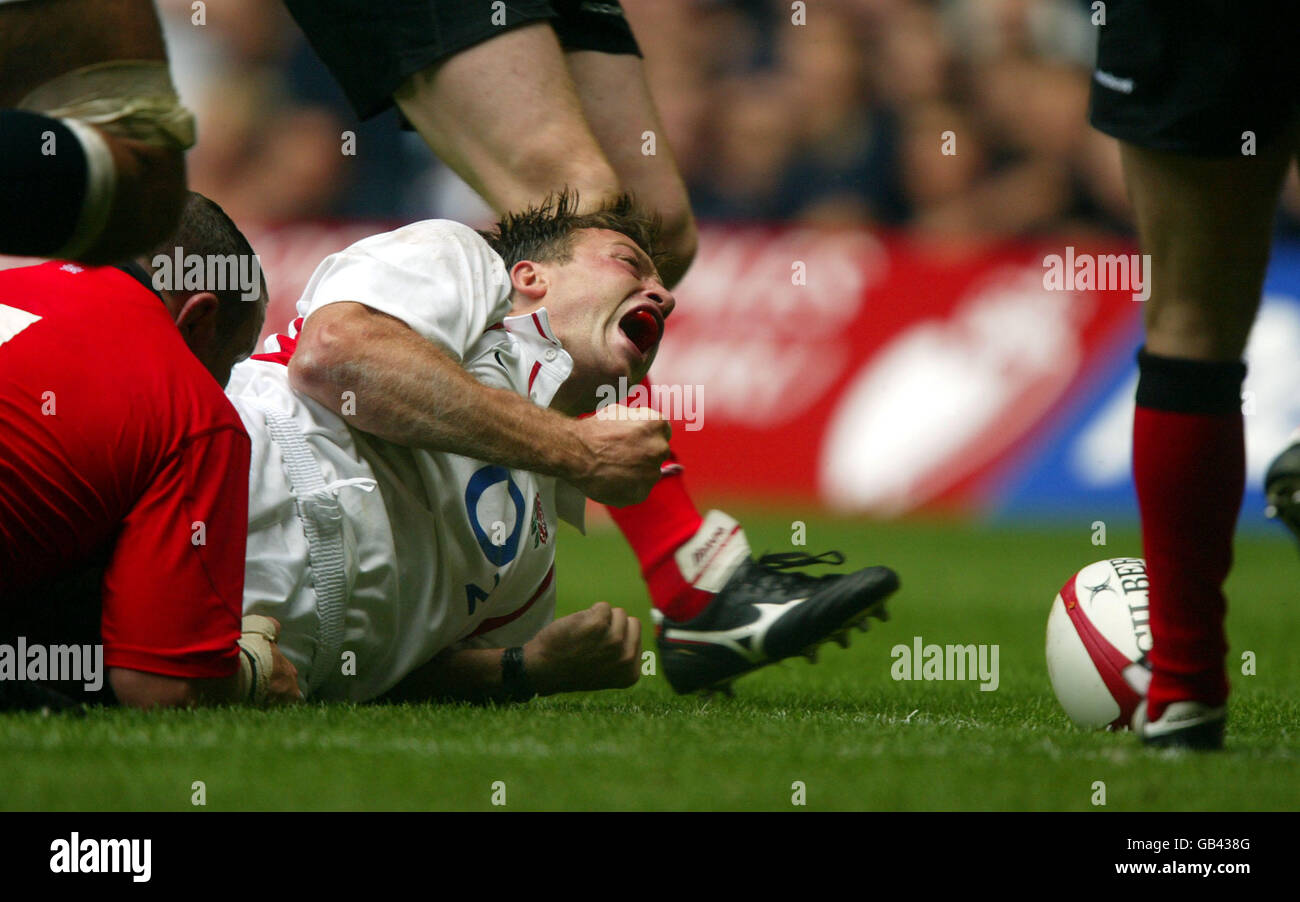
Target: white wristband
{"x":256,"y":659}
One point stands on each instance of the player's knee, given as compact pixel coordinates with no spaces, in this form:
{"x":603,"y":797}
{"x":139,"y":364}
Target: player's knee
{"x":681,"y":239}
{"x":550,"y":161}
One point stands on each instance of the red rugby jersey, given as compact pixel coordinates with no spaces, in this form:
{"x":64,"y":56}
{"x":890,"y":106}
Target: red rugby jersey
{"x":112,"y":434}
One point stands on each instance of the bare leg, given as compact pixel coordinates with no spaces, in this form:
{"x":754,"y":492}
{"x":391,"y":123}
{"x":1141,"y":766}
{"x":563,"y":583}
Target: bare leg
{"x":516,"y":118}
{"x":1207,"y":225}
{"x":619,"y":109}
{"x":505,"y":116}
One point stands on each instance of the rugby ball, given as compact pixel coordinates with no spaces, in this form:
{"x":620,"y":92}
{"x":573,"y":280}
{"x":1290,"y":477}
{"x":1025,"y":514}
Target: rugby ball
{"x":1098,"y":638}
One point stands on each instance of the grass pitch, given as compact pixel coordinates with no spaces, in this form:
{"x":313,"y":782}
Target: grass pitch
{"x":841,"y":734}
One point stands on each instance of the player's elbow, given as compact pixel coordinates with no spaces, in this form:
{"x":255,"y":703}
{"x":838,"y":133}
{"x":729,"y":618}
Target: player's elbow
{"x":321,"y":361}
{"x":138,"y":689}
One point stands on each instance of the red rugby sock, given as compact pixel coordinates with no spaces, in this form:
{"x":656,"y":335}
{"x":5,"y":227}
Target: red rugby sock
{"x":655,"y":529}
{"x":1189,"y":469}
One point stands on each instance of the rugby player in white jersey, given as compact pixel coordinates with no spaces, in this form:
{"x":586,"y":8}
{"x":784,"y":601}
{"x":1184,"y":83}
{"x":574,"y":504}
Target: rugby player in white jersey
{"x":402,"y":517}
{"x":522,"y":99}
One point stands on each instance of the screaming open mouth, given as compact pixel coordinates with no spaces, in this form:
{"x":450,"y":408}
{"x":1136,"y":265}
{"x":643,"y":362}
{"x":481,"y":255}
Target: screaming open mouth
{"x":642,"y":328}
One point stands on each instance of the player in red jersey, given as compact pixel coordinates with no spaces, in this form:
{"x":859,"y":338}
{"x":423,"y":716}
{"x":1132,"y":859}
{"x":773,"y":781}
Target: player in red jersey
{"x":120,"y":455}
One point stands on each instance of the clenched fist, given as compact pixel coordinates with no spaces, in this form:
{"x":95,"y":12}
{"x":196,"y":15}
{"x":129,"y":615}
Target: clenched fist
{"x":625,"y":446}
{"x":599,"y":648}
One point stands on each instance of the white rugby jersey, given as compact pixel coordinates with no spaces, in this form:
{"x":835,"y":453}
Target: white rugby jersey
{"x":375,"y":557}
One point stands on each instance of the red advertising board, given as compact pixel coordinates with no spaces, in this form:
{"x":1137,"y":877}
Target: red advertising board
{"x":872,"y":373}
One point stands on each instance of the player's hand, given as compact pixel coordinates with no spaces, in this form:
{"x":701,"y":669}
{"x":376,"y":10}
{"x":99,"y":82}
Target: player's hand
{"x":625,"y":446}
{"x":599,"y":648}
{"x":284,"y":680}
{"x":274,"y":679}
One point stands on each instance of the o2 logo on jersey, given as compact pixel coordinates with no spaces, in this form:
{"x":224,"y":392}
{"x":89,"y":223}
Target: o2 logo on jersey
{"x":482,"y":480}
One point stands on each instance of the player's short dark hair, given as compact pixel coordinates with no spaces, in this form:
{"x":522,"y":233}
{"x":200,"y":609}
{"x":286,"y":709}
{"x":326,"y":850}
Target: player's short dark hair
{"x":206,"y":230}
{"x":545,"y":232}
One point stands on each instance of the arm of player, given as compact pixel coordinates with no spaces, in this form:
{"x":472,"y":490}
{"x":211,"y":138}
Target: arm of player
{"x":173,"y":590}
{"x":599,"y":648}
{"x":407,"y":390}
{"x":138,"y":689}
{"x":264,"y":677}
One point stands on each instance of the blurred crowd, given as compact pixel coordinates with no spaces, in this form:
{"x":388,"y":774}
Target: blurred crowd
{"x":839,"y":112}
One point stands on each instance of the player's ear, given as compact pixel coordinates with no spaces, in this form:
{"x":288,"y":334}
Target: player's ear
{"x":197,"y":321}
{"x":527,"y":278}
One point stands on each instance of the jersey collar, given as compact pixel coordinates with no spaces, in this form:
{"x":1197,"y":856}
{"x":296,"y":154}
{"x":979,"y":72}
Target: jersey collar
{"x":570,"y":504}
{"x":536,"y":324}
{"x":138,"y":272}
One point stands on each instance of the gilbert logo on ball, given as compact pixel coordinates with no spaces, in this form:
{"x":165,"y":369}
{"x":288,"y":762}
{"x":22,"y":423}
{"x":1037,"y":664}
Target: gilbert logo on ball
{"x":1098,"y":637}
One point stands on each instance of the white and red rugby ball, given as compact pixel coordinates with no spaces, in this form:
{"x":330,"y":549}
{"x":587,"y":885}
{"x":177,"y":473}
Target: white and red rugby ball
{"x":1098,"y":638}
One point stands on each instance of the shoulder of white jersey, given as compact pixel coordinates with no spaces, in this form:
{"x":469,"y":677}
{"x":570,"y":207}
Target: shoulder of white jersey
{"x":422,"y":234}
{"x":411,"y":245}
{"x":431,"y":274}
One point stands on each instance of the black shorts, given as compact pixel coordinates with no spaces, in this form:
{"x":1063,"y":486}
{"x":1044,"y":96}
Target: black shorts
{"x":1192,"y":76}
{"x":372,"y":46}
